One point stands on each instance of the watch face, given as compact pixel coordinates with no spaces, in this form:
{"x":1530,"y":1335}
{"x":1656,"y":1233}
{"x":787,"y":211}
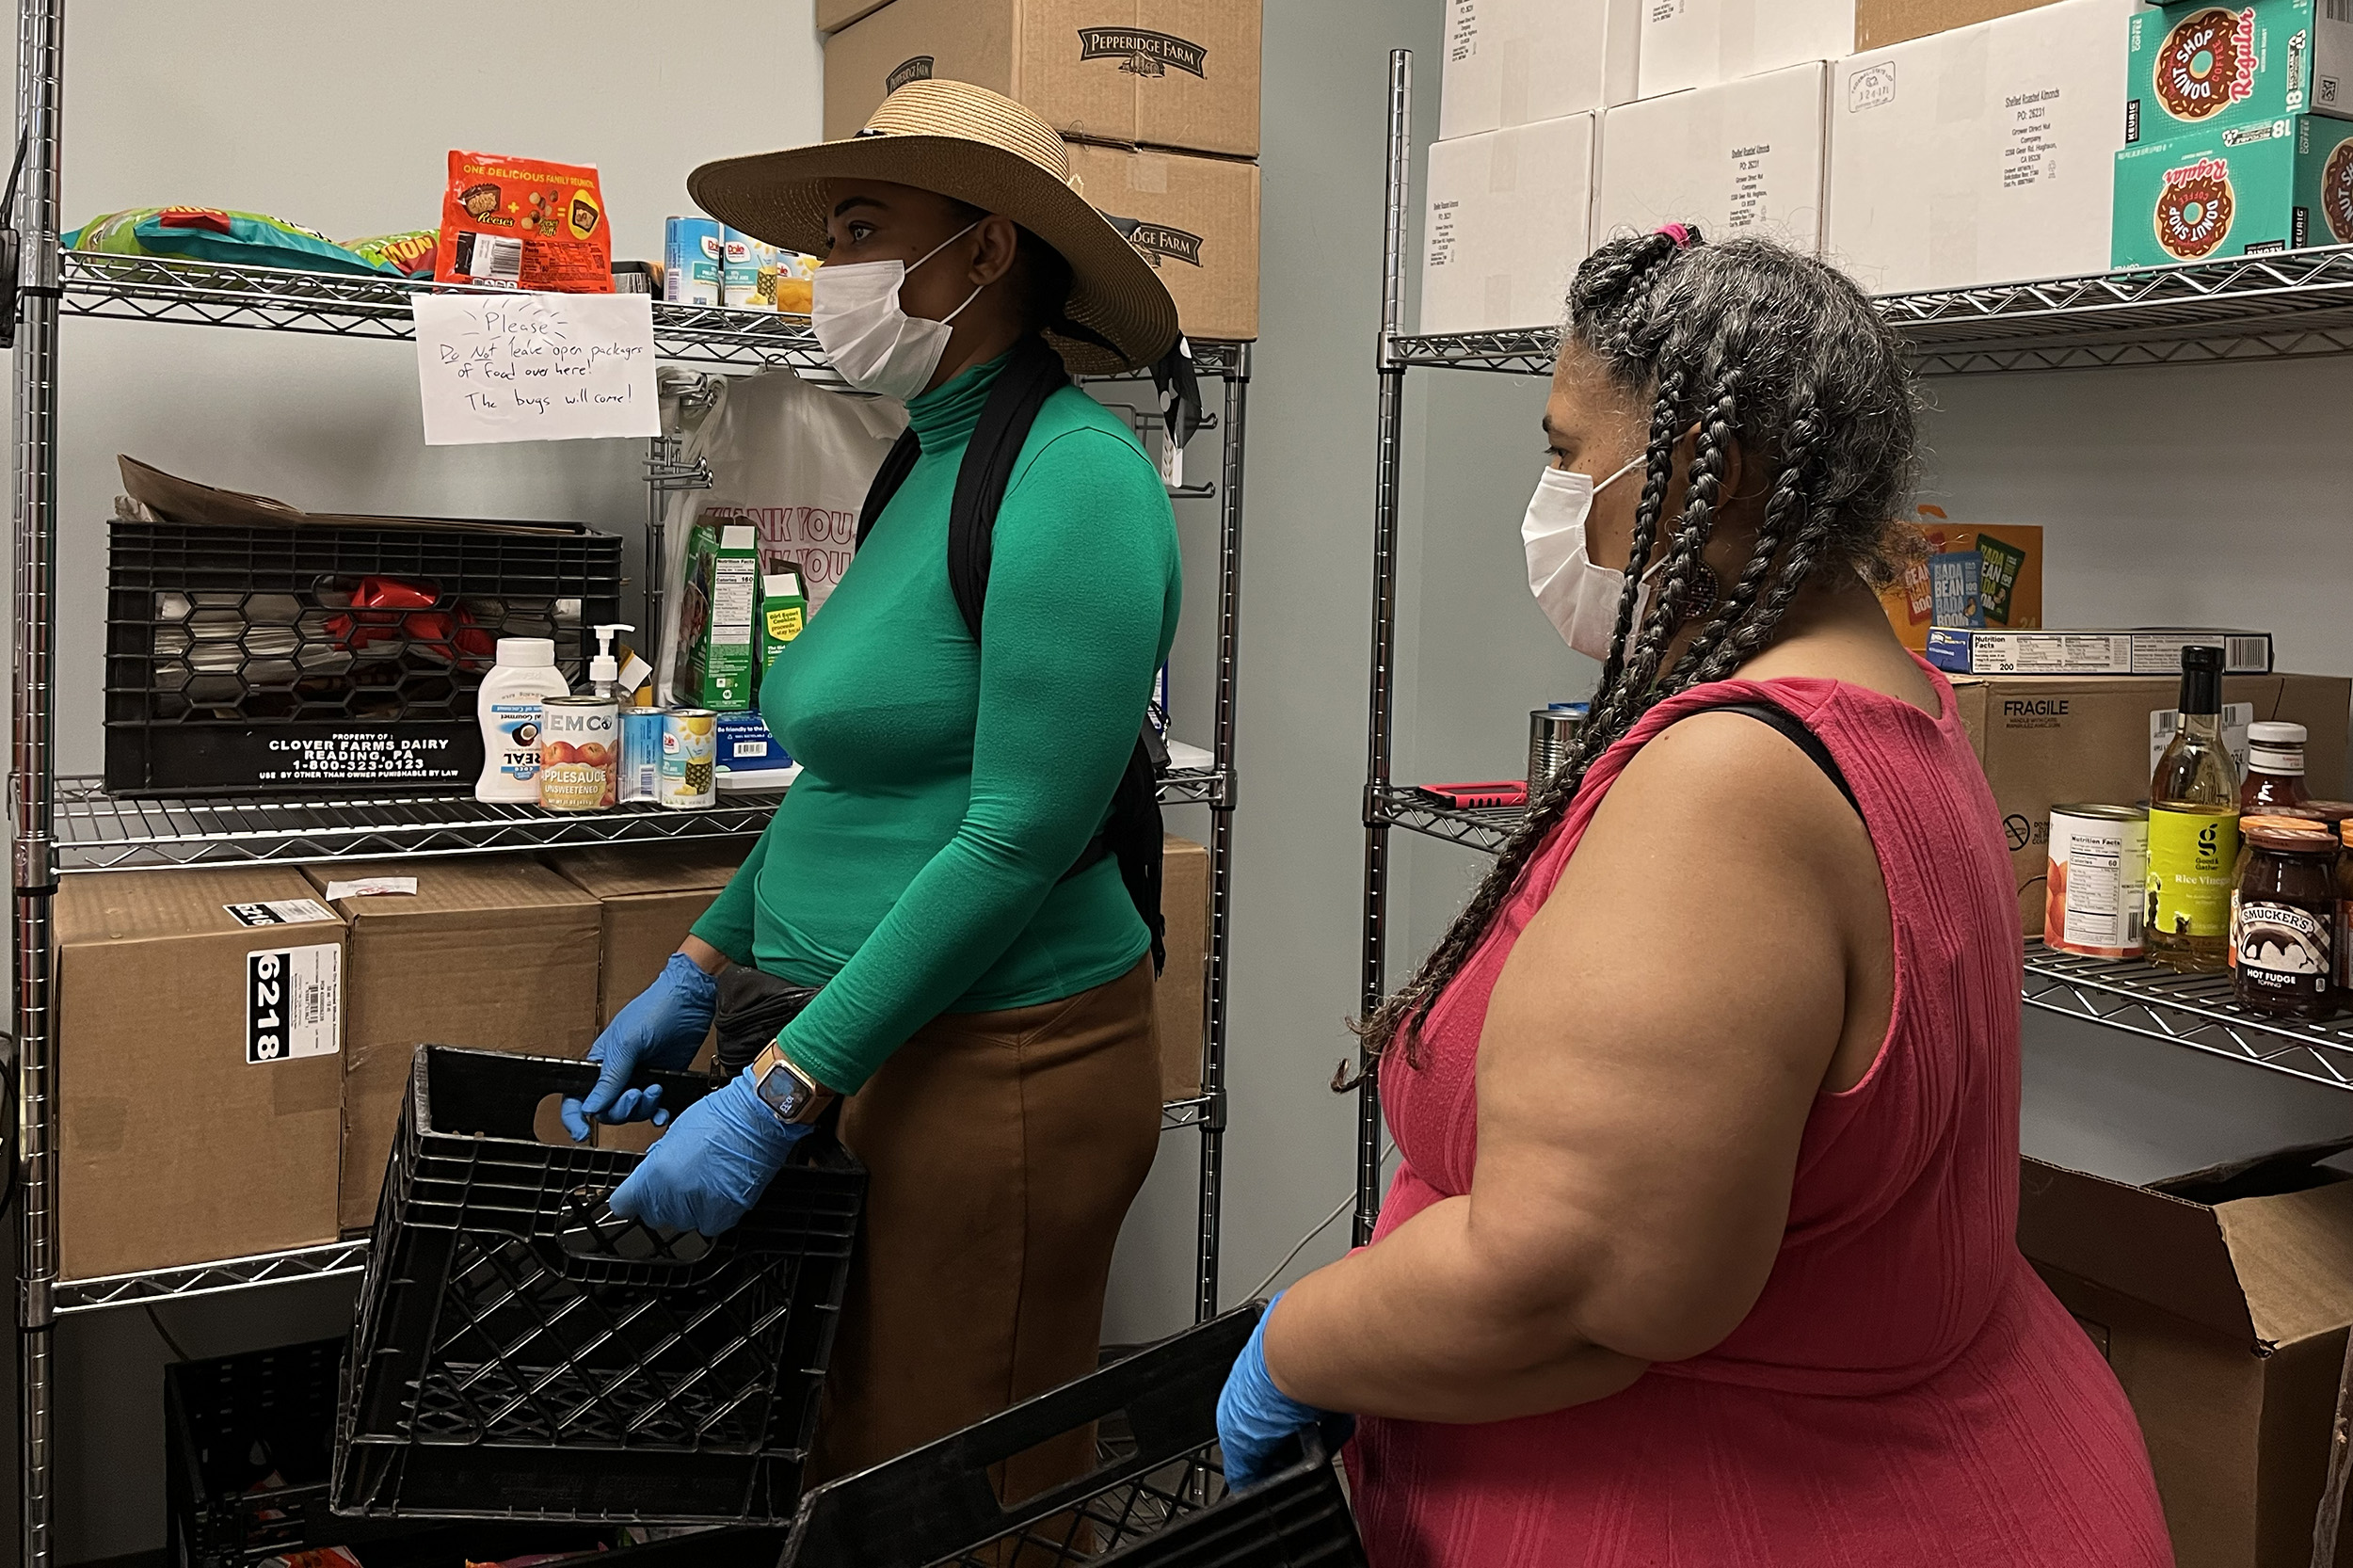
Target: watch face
{"x":782,"y":1091}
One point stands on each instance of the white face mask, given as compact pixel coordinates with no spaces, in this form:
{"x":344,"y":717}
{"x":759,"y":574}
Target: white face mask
{"x":873,"y":342}
{"x":1578,"y":597}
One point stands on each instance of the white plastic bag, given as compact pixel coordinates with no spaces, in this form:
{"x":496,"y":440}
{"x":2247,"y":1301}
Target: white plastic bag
{"x":794,"y":459}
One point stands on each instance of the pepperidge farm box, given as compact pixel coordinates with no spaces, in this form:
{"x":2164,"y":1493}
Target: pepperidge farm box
{"x":2196,"y":68}
{"x":1509,"y":221}
{"x":1979,"y":155}
{"x":2239,"y":191}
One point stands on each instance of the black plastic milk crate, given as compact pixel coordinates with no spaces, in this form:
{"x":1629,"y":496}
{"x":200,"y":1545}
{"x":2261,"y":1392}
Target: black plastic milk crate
{"x":1156,"y":1499}
{"x":518,"y":1354}
{"x":245,"y":660}
{"x":233,"y":1422}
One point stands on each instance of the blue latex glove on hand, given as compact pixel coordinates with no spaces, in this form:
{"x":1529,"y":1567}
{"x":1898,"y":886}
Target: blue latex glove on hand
{"x":662,"y":1029}
{"x":1257,"y":1420}
{"x":706,"y":1173}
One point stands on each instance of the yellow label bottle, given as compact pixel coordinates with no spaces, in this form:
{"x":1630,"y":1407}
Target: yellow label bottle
{"x":2191,"y":853}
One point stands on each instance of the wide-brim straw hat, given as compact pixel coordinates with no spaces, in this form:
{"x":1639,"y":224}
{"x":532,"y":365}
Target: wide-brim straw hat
{"x":981,"y":147}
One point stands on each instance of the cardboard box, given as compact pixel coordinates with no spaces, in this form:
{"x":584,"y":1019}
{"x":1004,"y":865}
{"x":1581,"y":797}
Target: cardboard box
{"x":1700,"y":43}
{"x":1982,"y":155}
{"x":2065,"y":739}
{"x":1515,"y":62}
{"x":649,"y":896}
{"x":2280,"y":185}
{"x":200,"y":1019}
{"x":2201,"y":68}
{"x":2220,"y":1299}
{"x":1509,"y":222}
{"x":1194,"y":219}
{"x":1742,"y":158}
{"x":1179,"y":73}
{"x":1180,"y":1000}
{"x":496,"y":954}
{"x":1881,"y":22}
{"x":834,"y":15}
{"x":2001,"y":588}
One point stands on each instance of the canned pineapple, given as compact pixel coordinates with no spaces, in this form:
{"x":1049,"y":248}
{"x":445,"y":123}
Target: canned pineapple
{"x":690,"y":744}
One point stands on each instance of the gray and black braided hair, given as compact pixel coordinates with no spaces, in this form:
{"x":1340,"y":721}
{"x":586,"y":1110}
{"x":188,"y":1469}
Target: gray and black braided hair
{"x":1750,"y":341}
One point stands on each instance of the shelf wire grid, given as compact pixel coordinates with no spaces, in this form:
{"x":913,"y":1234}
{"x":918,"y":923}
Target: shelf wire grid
{"x":2192,"y":1010}
{"x":1481,"y":828}
{"x":101,"y":832}
{"x":2279,"y":305}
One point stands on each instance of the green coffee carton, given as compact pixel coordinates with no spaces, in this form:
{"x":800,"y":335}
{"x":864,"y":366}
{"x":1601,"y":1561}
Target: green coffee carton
{"x":720,"y":594}
{"x":2237,"y":191}
{"x":2200,"y":67}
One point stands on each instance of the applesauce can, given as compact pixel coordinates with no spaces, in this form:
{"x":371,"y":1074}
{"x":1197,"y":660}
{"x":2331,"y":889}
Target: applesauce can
{"x":2096,"y":894}
{"x":641,"y":755}
{"x":690,"y":747}
{"x":579,"y":753}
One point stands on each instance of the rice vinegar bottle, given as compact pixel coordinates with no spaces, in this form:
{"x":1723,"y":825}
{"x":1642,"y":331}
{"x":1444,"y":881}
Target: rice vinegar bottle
{"x":2193,"y":829}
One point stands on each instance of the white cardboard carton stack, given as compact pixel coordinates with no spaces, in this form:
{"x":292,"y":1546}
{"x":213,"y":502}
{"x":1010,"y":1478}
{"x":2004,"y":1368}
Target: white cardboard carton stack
{"x":1512,"y":62}
{"x":1736,"y":159}
{"x":1980,"y":156}
{"x":1699,"y":44}
{"x":1507,"y":225}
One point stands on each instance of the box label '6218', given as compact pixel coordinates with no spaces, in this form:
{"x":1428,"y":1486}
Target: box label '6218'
{"x":292,"y":1004}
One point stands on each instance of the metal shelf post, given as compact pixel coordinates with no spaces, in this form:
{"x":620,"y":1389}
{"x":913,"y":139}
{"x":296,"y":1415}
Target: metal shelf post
{"x":1384,"y":698}
{"x":40,"y":46}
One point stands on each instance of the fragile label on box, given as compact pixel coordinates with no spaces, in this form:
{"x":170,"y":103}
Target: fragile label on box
{"x":284,"y":911}
{"x":292,"y":1004}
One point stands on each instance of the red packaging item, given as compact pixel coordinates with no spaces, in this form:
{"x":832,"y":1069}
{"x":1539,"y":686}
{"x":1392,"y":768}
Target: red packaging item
{"x":520,"y":223}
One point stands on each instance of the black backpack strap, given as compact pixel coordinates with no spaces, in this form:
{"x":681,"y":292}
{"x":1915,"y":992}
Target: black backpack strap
{"x":896,"y":465}
{"x":1794,"y":730}
{"x":1033,"y":374}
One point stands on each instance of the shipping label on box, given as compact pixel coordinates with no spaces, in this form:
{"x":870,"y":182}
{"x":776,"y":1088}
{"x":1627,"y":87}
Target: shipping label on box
{"x":2195,"y":67}
{"x":1698,"y":43}
{"x":1508,"y":225}
{"x":2239,"y":191}
{"x":294,"y":1003}
{"x":1981,"y":155}
{"x":1194,"y":219}
{"x":1180,"y":74}
{"x":1742,"y":158}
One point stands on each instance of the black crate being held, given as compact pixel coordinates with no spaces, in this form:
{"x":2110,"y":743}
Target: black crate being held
{"x":261,"y":659}
{"x":1156,"y":1499}
{"x":517,"y":1355}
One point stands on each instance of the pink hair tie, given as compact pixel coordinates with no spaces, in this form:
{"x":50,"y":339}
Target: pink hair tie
{"x":1677,"y":232}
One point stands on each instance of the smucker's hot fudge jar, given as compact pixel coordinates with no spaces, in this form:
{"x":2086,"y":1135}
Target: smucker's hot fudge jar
{"x":2285,"y":929}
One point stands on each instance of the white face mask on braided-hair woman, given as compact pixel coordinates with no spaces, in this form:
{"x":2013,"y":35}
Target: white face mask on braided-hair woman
{"x":1578,"y":597}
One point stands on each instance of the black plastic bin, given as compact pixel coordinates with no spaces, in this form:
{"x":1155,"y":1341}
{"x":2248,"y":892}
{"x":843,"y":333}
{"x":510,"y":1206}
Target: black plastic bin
{"x":513,"y":1360}
{"x":1158,"y":1499}
{"x":231,"y":1421}
{"x":244,"y":660}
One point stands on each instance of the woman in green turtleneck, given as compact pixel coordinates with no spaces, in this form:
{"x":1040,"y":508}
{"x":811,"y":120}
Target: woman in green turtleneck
{"x":988,"y":1010}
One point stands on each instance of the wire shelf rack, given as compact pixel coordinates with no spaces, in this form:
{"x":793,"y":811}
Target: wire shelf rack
{"x":2192,"y":1010}
{"x":97,"y":831}
{"x":1481,"y":828}
{"x":2277,"y":306}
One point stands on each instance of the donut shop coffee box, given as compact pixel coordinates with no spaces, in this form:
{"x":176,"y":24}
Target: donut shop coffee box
{"x":2239,"y":191}
{"x":2197,"y":67}
{"x":1981,"y":154}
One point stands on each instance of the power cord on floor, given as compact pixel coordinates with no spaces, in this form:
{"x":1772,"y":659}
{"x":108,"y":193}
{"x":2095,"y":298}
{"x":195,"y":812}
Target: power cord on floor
{"x":1329,"y":1220}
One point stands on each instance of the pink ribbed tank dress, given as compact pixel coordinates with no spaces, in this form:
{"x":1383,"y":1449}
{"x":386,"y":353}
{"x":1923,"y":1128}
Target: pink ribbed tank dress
{"x":1905,"y":1391}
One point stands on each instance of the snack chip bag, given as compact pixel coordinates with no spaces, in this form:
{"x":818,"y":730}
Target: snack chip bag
{"x":519,"y":223}
{"x":411,"y":253}
{"x":216,"y":235}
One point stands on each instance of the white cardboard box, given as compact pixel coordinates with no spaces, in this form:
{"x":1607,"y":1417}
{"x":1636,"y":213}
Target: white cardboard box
{"x":1515,"y":62}
{"x":1698,"y":43}
{"x":1744,"y":157}
{"x":1981,"y":155}
{"x":1509,"y":220}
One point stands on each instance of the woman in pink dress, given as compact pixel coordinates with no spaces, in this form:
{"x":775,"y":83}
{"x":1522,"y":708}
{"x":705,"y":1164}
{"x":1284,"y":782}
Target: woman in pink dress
{"x":1702,"y":1250}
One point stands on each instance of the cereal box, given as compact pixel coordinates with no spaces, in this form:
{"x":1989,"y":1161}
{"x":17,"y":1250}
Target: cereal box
{"x":519,"y":223}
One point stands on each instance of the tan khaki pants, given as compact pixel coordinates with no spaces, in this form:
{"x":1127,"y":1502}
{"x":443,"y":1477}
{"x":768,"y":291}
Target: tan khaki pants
{"x":1005,"y":1149}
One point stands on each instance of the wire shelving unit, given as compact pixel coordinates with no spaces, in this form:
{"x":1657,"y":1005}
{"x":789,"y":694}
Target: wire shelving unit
{"x":67,"y":825}
{"x":2281,"y":304}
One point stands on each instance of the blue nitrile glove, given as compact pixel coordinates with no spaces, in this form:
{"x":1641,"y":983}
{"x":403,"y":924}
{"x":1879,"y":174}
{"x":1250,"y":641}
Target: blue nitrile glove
{"x":1255,"y":1419}
{"x":662,"y":1028}
{"x":706,"y":1173}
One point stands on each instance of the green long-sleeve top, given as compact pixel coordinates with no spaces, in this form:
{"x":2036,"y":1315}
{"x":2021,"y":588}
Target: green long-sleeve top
{"x":916,"y":867}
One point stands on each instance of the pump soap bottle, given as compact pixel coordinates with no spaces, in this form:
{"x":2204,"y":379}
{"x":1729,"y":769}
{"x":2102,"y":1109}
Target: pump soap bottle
{"x":604,"y":670}
{"x":512,"y":708}
{"x":2193,"y":829}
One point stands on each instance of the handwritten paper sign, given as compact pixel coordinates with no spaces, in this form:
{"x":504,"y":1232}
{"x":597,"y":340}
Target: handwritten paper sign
{"x":536,"y":367}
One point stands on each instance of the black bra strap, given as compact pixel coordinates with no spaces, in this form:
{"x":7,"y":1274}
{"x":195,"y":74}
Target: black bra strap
{"x":1798,"y":735}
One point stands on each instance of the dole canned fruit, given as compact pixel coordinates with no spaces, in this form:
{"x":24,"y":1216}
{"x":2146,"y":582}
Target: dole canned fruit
{"x":690,"y":745}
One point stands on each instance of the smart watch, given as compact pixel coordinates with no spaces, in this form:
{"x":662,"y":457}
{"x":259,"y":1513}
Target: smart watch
{"x":797,"y":1098}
